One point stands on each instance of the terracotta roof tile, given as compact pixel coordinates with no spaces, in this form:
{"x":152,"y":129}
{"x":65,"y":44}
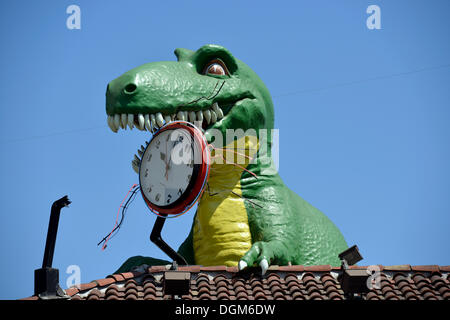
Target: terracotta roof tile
{"x":87,"y":286}
{"x":298,"y":296}
{"x":403,"y":267}
{"x":429,"y":268}
{"x":292,"y":268}
{"x":104,"y":282}
{"x":96,"y":294}
{"x":129,"y":275}
{"x":279,"y":283}
{"x":156,"y":269}
{"x":318,"y":268}
{"x":213,"y":268}
{"x":232,"y":269}
{"x":116,"y":277}
{"x":31,"y":298}
{"x":71,"y":291}
{"x":189,"y":268}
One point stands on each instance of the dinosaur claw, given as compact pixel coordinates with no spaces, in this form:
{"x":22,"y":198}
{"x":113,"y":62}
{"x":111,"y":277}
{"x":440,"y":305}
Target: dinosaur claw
{"x":242,"y":265}
{"x":264,"y":265}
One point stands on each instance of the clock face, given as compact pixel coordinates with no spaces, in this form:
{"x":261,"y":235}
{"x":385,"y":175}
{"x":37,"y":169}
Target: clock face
{"x":168,"y":169}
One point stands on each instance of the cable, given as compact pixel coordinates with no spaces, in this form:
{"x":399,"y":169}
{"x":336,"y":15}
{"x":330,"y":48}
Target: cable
{"x":343,"y":84}
{"x":52,"y":134}
{"x":124,"y":209}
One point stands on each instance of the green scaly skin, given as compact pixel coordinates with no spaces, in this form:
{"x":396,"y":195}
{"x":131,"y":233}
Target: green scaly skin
{"x":284,"y":228}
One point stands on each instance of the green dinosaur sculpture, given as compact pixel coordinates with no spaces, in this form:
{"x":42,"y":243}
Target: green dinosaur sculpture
{"x":241,"y":220}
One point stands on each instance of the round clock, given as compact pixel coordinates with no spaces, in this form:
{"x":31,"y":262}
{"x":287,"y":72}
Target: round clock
{"x":174,"y":168}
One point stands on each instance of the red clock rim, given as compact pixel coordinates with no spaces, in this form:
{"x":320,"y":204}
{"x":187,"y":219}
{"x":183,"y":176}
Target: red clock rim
{"x":202,"y":173}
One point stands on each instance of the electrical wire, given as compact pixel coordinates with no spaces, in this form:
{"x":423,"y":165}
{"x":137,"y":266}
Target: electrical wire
{"x":134,"y":189}
{"x":350,"y":83}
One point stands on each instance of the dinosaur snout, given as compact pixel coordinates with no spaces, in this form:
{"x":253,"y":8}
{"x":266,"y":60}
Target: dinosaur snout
{"x":122,"y":87}
{"x":121,"y":92}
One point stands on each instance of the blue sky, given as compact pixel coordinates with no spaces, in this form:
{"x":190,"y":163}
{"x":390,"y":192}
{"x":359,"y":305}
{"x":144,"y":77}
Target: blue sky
{"x":363,"y":118}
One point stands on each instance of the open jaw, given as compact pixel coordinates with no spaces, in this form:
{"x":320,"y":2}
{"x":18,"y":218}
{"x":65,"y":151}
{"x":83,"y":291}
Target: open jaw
{"x":204,"y":119}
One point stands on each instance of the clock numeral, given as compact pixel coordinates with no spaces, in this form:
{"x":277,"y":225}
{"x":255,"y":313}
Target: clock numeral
{"x":149,"y":157}
{"x":180,"y":192}
{"x":169,"y":197}
{"x":158,"y":196}
{"x":146,"y":173}
{"x":178,"y":140}
{"x":150,"y":190}
{"x":158,"y":143}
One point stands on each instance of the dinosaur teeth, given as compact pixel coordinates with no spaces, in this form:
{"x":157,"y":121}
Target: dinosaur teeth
{"x":130,"y":121}
{"x":112,"y":125}
{"x":117,"y":121}
{"x":207,"y":115}
{"x":199,"y":115}
{"x":159,"y":119}
{"x":109,"y":123}
{"x":217,"y":110}
{"x":192,"y":116}
{"x":180,"y":116}
{"x":147,"y":123}
{"x":141,"y":122}
{"x":213,"y":117}
{"x":135,"y":166}
{"x":123,"y":121}
{"x":152,"y":122}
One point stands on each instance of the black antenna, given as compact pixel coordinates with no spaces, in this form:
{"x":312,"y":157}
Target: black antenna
{"x":46,"y":279}
{"x":155,"y":237}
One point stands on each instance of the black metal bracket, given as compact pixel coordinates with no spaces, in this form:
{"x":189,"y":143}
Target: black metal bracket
{"x":156,"y":238}
{"x":352,"y":281}
{"x":46,"y":279}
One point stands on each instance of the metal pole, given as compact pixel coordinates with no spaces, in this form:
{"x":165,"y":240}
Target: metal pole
{"x":53,"y":230}
{"x":155,"y":237}
{"x":46,"y":279}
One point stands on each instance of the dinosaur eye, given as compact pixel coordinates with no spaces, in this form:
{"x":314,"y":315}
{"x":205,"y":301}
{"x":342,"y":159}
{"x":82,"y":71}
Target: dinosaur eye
{"x":216,"y":67}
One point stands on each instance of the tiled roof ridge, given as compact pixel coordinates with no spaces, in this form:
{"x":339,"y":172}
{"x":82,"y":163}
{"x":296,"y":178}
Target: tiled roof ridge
{"x":148,"y":278}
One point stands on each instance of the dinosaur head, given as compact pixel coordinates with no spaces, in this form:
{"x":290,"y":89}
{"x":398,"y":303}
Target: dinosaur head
{"x":208,"y":87}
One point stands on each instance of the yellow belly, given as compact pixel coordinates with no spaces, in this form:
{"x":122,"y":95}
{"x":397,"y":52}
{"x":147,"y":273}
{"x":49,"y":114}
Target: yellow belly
{"x":221,"y":234}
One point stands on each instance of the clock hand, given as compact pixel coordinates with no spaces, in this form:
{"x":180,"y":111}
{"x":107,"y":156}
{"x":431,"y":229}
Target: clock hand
{"x":164,"y":158}
{"x":167,"y":165}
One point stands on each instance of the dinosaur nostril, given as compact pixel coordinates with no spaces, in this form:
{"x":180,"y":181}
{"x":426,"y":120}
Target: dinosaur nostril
{"x":130,"y":88}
